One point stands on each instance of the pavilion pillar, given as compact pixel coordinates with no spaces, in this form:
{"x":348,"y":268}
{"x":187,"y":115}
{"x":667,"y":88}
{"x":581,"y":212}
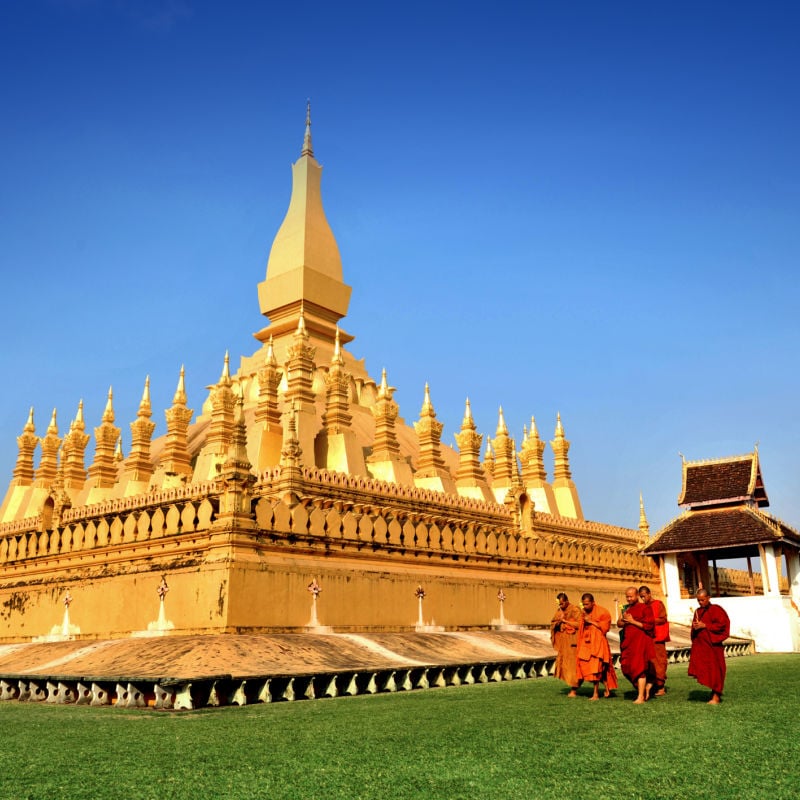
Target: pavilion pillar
{"x":793,"y":573}
{"x":769,"y":570}
{"x":671,"y":578}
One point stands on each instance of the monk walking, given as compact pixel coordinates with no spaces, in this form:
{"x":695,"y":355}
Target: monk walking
{"x":636,"y":646}
{"x":564,"y":637}
{"x":660,"y":639}
{"x":594,"y":654}
{"x":710,"y":628}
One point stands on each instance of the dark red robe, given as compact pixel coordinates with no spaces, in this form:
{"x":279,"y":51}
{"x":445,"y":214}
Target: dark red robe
{"x":636,"y":649}
{"x":707,"y":661}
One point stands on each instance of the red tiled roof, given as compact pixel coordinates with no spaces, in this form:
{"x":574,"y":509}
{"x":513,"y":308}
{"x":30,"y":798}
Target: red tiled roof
{"x":720,"y":528}
{"x":723,"y":481}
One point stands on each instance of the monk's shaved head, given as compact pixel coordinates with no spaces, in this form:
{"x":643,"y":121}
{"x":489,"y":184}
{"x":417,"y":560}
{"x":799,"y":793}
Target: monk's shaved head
{"x":701,"y":593}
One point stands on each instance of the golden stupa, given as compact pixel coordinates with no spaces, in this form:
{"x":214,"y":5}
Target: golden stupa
{"x":298,"y":468}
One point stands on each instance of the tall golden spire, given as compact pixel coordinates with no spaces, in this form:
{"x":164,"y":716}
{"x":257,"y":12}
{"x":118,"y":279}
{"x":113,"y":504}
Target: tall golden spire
{"x":304,"y":267}
{"x":138,"y":467}
{"x":103,"y":471}
{"x":23,"y":471}
{"x":307,"y":150}
{"x":644,"y":525}
{"x":564,"y":489}
{"x":429,"y":433}
{"x":48,"y":463}
{"x":175,"y":459}
{"x":269,"y":378}
{"x":470,"y":478}
{"x":73,"y":452}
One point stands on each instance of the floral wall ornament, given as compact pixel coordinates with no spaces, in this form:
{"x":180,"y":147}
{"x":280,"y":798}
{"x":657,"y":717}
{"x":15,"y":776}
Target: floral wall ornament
{"x":67,"y":599}
{"x":314,"y":588}
{"x":501,"y":595}
{"x":163,"y":588}
{"x":419,"y":593}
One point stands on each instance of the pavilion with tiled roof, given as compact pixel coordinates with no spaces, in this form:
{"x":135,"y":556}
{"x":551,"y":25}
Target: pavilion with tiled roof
{"x":723,"y":519}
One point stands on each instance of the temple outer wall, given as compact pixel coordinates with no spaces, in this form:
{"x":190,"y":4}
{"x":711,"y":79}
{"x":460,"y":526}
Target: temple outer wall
{"x":250,"y":572}
{"x":271,"y":595}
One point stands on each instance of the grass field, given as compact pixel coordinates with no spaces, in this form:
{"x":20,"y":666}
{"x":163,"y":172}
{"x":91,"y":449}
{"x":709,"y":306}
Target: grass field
{"x":521,"y":739}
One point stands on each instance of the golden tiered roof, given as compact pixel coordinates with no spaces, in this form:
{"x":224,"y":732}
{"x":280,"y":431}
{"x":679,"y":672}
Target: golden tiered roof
{"x":302,"y":377}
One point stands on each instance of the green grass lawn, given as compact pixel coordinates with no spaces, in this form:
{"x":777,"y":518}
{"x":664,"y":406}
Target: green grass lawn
{"x":521,"y":739}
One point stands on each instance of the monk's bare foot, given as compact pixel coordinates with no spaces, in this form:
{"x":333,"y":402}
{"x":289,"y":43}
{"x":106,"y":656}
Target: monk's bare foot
{"x":639,"y":701}
{"x":572,"y":693}
{"x":594,"y":697}
{"x":714,"y":701}
{"x":660,"y":693}
{"x":607,"y":693}
{"x":647,"y":689}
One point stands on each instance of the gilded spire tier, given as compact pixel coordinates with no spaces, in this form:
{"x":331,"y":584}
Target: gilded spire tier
{"x":534,"y":475}
{"x":26,"y":444}
{"x":386,"y":463}
{"x":431,"y":471}
{"x":471,"y":478}
{"x":48,"y":463}
{"x":175,"y":462}
{"x":304,"y":267}
{"x":220,"y":428}
{"x":103,"y":471}
{"x":138,"y":467}
{"x":505,"y":460}
{"x":644,"y":525}
{"x":564,"y":489}
{"x":73,"y":453}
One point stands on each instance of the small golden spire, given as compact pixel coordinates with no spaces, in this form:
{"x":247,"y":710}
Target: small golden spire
{"x":108,"y":413}
{"x":489,"y":451}
{"x":301,"y":322}
{"x":427,"y":406}
{"x":467,"y":415}
{"x":383,"y":389}
{"x":53,"y":426}
{"x":534,"y":429}
{"x":145,"y":409}
{"x":225,"y":378}
{"x":271,"y":360}
{"x":644,"y":525}
{"x":307,"y":150}
{"x":559,"y":426}
{"x":118,"y":452}
{"x":179,"y":398}
{"x":337,"y":349}
{"x":29,"y":426}
{"x":501,"y":424}
{"x":79,"y":422}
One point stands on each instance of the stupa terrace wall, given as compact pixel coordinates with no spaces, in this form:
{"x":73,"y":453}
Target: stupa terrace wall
{"x":370,"y":544}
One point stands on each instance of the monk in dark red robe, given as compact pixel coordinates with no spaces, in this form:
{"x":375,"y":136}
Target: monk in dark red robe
{"x":710,"y":628}
{"x":594,"y":654}
{"x":636,"y":646}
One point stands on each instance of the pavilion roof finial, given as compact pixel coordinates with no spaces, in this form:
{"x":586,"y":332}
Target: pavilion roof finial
{"x":307,"y":150}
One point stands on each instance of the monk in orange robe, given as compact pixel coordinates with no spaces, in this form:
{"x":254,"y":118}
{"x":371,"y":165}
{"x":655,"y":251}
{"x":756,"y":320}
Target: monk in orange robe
{"x":594,"y":654}
{"x":710,"y":628}
{"x":564,"y":637}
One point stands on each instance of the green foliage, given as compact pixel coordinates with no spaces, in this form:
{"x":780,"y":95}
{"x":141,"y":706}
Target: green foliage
{"x":522,"y":739}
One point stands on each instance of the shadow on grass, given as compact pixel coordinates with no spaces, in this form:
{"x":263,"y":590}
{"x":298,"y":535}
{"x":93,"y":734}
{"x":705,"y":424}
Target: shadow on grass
{"x":699,"y":696}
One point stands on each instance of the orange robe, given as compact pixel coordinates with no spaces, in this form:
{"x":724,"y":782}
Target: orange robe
{"x":564,"y":637}
{"x":594,"y":654}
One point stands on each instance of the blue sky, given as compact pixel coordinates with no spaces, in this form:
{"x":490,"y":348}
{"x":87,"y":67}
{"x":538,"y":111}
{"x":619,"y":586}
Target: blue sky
{"x":589,"y":208}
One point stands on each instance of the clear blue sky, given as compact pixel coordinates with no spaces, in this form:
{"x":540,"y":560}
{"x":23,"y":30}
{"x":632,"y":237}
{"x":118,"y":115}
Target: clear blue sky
{"x":585,"y":207}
